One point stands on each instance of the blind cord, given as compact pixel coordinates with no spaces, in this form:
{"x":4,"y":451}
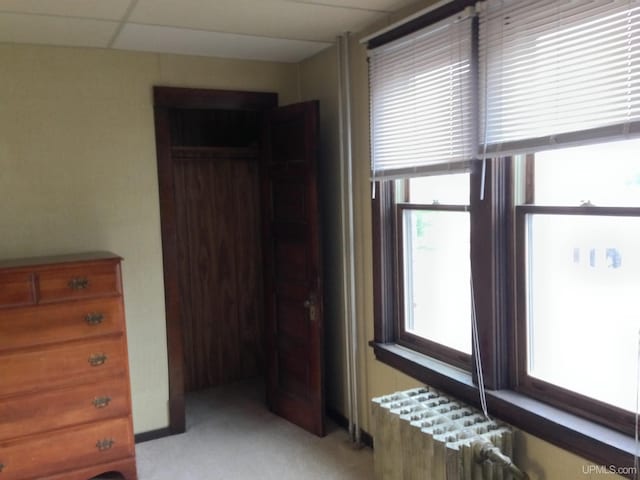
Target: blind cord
{"x":476,"y":353}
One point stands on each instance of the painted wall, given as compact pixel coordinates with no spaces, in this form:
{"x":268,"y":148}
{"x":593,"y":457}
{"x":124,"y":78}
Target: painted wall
{"x":540,"y":459}
{"x":78,"y":172}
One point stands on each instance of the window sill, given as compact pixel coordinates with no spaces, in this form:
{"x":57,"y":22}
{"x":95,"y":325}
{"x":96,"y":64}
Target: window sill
{"x":596,"y":443}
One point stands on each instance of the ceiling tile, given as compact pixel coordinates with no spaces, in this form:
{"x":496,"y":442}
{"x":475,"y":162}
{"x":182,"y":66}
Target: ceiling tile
{"x":269,"y":18}
{"x":47,"y":30}
{"x":214,"y":44}
{"x":377,"y":5}
{"x":100,"y":9}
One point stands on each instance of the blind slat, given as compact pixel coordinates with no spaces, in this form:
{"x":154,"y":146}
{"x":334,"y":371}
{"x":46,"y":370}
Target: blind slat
{"x":422,"y":102}
{"x":555,"y":73}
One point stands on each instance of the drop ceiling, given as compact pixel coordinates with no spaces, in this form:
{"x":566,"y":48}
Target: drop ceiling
{"x":270,"y":30}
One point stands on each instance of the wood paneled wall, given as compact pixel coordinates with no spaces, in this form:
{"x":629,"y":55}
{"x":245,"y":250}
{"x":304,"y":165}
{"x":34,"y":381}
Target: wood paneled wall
{"x":220,"y":266}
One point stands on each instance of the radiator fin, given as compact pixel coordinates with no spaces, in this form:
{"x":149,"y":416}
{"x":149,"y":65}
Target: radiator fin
{"x":421,"y":434}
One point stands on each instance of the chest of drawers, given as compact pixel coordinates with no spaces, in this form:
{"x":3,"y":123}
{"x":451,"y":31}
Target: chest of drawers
{"x":65,"y":401}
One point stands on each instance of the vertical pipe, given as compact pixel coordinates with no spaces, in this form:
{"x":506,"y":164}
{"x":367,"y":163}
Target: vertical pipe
{"x":348,"y":261}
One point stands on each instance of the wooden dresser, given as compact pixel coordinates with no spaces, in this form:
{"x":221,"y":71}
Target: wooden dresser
{"x":65,"y":402}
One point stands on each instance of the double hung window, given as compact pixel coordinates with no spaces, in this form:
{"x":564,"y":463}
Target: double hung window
{"x":578,"y":233}
{"x":422,"y":115}
{"x":434,"y":268}
{"x":517,"y":166}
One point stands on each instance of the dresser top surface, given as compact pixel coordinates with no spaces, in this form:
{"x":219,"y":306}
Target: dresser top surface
{"x":58,"y":259}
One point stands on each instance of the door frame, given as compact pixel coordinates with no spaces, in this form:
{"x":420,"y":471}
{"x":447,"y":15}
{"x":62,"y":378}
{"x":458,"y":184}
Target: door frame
{"x":165,"y":99}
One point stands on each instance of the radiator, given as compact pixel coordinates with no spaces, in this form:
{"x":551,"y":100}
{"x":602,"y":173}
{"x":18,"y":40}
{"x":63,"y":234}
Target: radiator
{"x":421,"y":434}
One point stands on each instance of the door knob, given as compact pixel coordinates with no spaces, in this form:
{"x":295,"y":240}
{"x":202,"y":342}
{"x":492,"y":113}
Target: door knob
{"x":310,"y":304}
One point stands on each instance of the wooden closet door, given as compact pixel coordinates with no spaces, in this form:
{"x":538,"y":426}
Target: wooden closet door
{"x":220,"y":275}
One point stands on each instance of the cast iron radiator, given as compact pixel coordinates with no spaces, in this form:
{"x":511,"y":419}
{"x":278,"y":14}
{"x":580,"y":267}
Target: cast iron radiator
{"x":421,"y":434}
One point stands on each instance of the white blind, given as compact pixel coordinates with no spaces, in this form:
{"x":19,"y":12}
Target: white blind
{"x":422,"y":101}
{"x":558,"y":72}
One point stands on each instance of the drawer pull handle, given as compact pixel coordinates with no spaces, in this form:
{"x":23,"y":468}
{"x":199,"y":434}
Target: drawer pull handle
{"x":97,"y":359}
{"x":94,"y":318}
{"x":78,"y":283}
{"x":105,"y":444}
{"x":101,"y":402}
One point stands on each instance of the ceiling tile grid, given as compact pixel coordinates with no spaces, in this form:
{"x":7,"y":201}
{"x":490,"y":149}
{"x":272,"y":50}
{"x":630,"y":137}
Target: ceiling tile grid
{"x":270,"y":30}
{"x":151,"y":38}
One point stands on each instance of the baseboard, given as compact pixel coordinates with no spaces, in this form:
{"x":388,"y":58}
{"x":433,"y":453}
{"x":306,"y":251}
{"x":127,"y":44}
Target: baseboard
{"x":152,"y":435}
{"x":343,"y":422}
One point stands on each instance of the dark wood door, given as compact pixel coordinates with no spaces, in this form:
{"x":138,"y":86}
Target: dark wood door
{"x":293,"y":279}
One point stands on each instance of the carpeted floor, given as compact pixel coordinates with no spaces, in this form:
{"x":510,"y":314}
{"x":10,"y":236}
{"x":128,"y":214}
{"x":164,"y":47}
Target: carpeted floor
{"x":232,"y":436}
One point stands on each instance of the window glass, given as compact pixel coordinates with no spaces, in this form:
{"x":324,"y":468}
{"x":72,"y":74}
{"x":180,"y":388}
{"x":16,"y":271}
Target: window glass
{"x":437,"y":277}
{"x":443,"y":189}
{"x":583,"y":302}
{"x":606,"y":174}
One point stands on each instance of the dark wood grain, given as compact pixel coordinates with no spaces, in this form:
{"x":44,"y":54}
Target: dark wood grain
{"x":489,"y":269}
{"x":220,"y":273}
{"x":292,"y":258}
{"x":167,"y":99}
{"x":384,"y":261}
{"x":249,"y":268}
{"x":170,"y":269}
{"x":197,"y":98}
{"x":422,"y":21}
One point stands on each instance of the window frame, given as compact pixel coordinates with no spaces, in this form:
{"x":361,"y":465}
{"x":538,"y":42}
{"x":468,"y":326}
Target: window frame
{"x":493,"y":252}
{"x":485,"y":243}
{"x":566,"y":399}
{"x":403,"y":337}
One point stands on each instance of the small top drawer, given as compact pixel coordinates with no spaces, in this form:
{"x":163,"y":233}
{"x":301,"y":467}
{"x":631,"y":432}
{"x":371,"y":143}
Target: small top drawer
{"x":16,"y":289}
{"x":83,"y":281}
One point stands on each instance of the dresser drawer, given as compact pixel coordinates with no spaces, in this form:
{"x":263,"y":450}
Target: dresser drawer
{"x":78,"y":282}
{"x":52,"y":409}
{"x":16,"y":289}
{"x":77,"y":447}
{"x":40,"y":325}
{"x":62,"y":365}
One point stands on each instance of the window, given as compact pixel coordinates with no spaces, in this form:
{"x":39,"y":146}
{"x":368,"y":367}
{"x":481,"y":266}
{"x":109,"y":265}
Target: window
{"x":543,"y":213}
{"x":434,"y":269}
{"x":580,"y":274}
{"x":422,"y":130}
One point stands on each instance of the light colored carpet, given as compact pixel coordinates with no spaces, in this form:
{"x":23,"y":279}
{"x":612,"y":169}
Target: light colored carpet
{"x":232,"y":436}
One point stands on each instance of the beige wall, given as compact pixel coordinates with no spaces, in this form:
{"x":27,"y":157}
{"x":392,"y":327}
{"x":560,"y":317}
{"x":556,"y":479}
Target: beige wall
{"x":78,"y":172}
{"x":540,"y":459}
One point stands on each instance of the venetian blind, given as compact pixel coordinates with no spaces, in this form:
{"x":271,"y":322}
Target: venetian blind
{"x":557,"y":73}
{"x":422,"y":101}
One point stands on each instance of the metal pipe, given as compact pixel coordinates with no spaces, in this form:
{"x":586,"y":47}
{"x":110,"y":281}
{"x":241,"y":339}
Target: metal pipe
{"x":484,"y":450}
{"x":348,"y":247}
